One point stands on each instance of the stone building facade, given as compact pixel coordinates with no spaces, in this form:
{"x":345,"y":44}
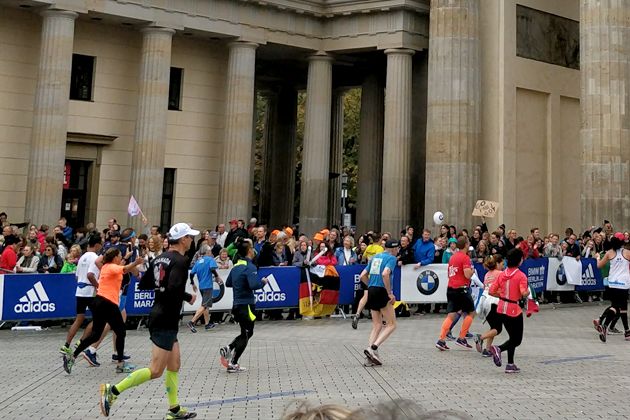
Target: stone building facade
{"x":461,"y":100}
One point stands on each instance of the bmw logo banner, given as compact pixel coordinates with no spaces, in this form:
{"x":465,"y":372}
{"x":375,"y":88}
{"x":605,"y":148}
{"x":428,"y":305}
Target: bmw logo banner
{"x":556,"y":277}
{"x":426,"y":284}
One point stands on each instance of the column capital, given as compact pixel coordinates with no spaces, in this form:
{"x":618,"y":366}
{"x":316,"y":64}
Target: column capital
{"x":243,"y":44}
{"x":321,"y":56}
{"x":59,"y":13}
{"x":157,"y":30}
{"x":401,"y":51}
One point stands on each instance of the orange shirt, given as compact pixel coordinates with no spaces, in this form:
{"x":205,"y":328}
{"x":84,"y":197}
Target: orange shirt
{"x":456,"y":265}
{"x":109,"y":282}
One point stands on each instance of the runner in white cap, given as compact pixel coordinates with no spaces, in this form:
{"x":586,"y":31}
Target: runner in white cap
{"x":167,"y":275}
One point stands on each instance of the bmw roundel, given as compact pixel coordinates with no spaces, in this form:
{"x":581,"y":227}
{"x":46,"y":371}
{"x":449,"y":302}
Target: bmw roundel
{"x":427,"y":282}
{"x":218,"y":290}
{"x":561,"y":278}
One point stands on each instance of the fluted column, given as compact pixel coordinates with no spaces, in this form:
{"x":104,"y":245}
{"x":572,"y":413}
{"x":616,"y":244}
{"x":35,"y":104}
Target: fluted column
{"x":279,"y":165}
{"x":336,"y":159}
{"x":236,"y":172}
{"x":50,"y":117}
{"x":370,"y":154}
{"x":316,"y":148}
{"x":397,"y":141}
{"x":147,"y":169}
{"x":453,"y":120}
{"x":605,"y":104}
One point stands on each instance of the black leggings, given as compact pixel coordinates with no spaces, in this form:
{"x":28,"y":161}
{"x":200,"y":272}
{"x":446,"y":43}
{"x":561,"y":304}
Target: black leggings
{"x":241,"y":315}
{"x":618,"y":308}
{"x":105,"y":312}
{"x":514,"y":327}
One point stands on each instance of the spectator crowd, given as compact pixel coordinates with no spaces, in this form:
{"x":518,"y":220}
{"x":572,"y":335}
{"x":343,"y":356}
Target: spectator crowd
{"x":28,"y":248}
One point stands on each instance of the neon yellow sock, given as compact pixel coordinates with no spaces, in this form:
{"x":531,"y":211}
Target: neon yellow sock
{"x":171,"y":380}
{"x":135,"y":378}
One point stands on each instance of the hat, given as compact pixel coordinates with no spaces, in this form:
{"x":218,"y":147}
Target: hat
{"x":288,"y":231}
{"x":392,"y":244}
{"x":324,"y":232}
{"x":233,"y":222}
{"x":179,"y":230}
{"x":452,"y":240}
{"x":318,"y":237}
{"x":114,"y":233}
{"x":214,"y":235}
{"x":275,"y":232}
{"x":619,"y":236}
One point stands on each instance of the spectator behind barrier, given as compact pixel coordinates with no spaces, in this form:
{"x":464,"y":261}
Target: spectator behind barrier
{"x":50,"y":262}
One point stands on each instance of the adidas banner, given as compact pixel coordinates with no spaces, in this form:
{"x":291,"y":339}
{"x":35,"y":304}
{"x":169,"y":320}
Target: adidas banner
{"x":38,"y":296}
{"x":591,"y":276}
{"x":281,"y":290}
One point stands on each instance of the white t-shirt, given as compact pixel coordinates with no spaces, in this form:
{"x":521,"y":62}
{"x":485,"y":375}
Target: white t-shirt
{"x":85,"y":265}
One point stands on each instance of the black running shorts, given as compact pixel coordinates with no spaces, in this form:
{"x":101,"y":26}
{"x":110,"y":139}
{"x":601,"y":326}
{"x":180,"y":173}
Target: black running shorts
{"x":164,"y":339}
{"x":377,"y":298}
{"x":83,"y":303}
{"x":618,"y":298}
{"x":459,"y":300}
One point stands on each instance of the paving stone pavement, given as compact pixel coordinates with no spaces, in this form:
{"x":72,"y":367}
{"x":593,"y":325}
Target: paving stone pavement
{"x":566,"y":372}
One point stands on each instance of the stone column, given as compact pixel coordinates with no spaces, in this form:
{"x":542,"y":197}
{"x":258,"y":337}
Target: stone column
{"x":336,"y":159}
{"x":316,"y":148}
{"x":453,"y":120}
{"x":397,"y":141}
{"x":147,"y":168}
{"x":236,"y":172}
{"x":279,"y":176}
{"x":370,"y":155}
{"x":605,"y":104}
{"x":50,"y":118}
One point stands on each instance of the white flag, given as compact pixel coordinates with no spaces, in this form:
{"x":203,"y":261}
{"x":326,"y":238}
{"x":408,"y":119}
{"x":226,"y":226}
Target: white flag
{"x":133,"y":208}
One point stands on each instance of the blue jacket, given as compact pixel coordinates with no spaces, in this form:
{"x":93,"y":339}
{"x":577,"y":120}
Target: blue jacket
{"x":243,"y":279}
{"x":424,"y":252}
{"x":341,"y":258}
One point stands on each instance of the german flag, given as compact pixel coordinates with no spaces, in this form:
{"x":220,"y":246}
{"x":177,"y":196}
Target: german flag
{"x":319,"y":290}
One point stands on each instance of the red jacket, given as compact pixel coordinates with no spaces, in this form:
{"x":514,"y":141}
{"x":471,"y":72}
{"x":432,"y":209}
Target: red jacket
{"x":524,"y":246}
{"x":327,"y":260}
{"x":8,"y":260}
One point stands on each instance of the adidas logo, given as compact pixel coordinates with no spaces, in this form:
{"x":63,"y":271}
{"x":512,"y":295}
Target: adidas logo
{"x":271,"y":292}
{"x":35,"y":300}
{"x":588,"y":277}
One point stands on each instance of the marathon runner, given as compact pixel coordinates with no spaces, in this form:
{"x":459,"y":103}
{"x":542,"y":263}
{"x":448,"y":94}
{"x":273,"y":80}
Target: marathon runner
{"x":380,"y":299}
{"x":243,"y":279}
{"x":167,"y":275}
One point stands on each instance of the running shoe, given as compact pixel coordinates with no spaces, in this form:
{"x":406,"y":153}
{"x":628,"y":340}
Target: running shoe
{"x":192,"y":327}
{"x":368,"y":363}
{"x":469,"y":335}
{"x":235,"y":368}
{"x":450,"y":337}
{"x":463,"y":343}
{"x":601,"y":329}
{"x":486,"y":353}
{"x":613,"y":331}
{"x":115,"y":357}
{"x":210,"y":325}
{"x":496,"y":355}
{"x":77,"y":344}
{"x":627,"y":335}
{"x":373,"y":356}
{"x":441,"y":345}
{"x":355,"y":322}
{"x":511,"y":368}
{"x":90,"y":358}
{"x":226,"y":356}
{"x":107,"y":399}
{"x":65,"y":350}
{"x":596,"y":324}
{"x":183,"y":413}
{"x":478,"y":342}
{"x":68,"y":362}
{"x":125,"y":368}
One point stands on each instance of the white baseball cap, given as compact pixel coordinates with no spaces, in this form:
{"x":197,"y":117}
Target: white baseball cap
{"x":179,"y":230}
